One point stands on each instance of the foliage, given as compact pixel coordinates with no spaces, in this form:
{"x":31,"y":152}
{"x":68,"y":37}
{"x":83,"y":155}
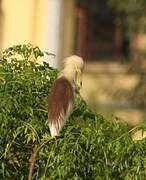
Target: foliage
{"x":136,"y":7}
{"x":134,"y":12}
{"x":90,"y":147}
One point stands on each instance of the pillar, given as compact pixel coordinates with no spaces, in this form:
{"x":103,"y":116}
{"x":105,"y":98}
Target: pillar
{"x":48,"y":28}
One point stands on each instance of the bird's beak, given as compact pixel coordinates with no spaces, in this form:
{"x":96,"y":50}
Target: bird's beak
{"x":79,"y":78}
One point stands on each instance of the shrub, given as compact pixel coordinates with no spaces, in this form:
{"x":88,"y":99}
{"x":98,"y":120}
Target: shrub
{"x":91,"y":147}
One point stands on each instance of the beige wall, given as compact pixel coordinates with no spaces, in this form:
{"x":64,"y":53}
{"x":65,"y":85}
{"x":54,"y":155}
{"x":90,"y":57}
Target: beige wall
{"x":46,"y":23}
{"x":17,"y":22}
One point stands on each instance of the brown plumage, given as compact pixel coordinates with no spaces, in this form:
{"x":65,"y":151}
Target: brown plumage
{"x":61,"y":98}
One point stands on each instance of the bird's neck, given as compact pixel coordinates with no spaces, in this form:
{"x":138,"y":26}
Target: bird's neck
{"x":69,"y":73}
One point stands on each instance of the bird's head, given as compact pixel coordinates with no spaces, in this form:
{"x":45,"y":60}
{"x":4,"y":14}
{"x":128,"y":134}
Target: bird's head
{"x":73,"y":68}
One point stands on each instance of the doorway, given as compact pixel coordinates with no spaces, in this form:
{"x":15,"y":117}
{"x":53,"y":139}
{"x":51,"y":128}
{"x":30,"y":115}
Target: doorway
{"x":98,"y":35}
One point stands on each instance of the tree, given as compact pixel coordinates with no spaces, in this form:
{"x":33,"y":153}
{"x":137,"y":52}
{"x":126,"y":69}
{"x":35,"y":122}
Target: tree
{"x":91,"y":147}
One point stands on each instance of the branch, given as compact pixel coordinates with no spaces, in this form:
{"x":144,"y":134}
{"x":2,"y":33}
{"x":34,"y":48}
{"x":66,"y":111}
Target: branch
{"x":33,"y":157}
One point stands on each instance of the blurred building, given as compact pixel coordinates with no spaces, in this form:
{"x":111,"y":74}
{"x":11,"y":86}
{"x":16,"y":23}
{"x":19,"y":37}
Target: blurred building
{"x":65,"y":27}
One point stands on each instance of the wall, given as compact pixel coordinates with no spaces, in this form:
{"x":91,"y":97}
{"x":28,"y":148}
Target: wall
{"x":32,"y":21}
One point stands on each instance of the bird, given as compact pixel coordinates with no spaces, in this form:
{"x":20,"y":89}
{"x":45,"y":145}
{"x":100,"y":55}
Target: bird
{"x":63,"y":92}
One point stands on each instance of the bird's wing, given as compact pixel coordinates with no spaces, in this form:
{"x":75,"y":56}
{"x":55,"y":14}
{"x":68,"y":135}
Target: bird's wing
{"x":59,"y":105}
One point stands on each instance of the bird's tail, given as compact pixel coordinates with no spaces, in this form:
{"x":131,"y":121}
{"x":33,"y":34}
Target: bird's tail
{"x":54,"y":130}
